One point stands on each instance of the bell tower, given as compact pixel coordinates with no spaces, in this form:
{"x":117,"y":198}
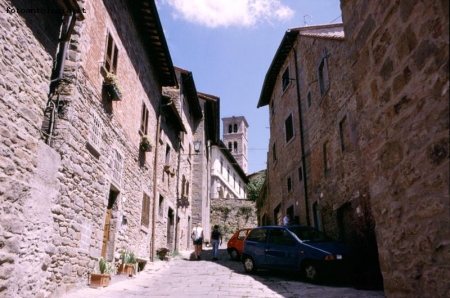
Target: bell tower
{"x":235,"y":138}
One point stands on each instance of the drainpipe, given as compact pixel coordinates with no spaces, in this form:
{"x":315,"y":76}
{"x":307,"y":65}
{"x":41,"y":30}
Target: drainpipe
{"x":155,"y":180}
{"x":69,"y":20}
{"x":302,"y":144}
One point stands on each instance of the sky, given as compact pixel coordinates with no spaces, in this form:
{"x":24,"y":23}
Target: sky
{"x":228,"y":45}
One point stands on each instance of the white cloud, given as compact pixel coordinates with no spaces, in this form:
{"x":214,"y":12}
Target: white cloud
{"x":224,"y":13}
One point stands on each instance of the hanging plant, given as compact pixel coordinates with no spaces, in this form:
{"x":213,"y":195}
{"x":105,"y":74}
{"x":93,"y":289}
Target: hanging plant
{"x":112,"y":87}
{"x":145,"y":144}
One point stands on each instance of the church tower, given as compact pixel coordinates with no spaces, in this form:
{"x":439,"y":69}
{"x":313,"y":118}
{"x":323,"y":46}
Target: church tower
{"x":235,"y":138}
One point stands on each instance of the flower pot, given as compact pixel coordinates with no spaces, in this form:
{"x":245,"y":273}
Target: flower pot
{"x":112,"y":91}
{"x":146,"y":146}
{"x":126,"y":269}
{"x":99,"y":280}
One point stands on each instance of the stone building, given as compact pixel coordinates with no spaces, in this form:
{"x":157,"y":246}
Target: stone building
{"x":399,"y":54}
{"x":235,"y":131}
{"x":88,"y":168}
{"x":364,"y":120}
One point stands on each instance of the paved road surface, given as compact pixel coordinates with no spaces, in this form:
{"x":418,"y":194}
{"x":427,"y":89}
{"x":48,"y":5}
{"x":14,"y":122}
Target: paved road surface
{"x":182,"y":277}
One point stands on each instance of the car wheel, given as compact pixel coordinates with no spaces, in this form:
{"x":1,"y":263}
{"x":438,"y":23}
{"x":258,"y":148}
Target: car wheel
{"x":310,"y":272}
{"x":234,"y":255}
{"x":249,"y":265}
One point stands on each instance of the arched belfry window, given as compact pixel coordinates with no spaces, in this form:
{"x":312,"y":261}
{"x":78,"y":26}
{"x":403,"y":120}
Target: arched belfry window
{"x":235,"y":127}
{"x":235,"y":147}
{"x":230,"y":146}
{"x":230,"y":128}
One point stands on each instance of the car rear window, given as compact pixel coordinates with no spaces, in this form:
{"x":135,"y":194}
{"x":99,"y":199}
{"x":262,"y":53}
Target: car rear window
{"x":258,"y":235}
{"x":281,"y":237}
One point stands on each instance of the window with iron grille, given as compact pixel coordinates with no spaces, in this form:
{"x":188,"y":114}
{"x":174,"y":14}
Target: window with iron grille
{"x":145,"y":216}
{"x":111,"y":54}
{"x":95,"y":131}
{"x":117,"y":166}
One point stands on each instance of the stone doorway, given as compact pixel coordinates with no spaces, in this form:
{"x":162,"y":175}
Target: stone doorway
{"x":110,"y":226}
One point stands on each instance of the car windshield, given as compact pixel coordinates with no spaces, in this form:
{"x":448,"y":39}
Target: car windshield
{"x":307,"y":234}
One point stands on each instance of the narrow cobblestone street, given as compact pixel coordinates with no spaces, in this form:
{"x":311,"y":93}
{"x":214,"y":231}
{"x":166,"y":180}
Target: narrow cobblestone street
{"x":182,"y":277}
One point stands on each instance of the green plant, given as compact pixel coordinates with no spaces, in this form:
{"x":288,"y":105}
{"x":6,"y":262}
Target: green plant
{"x":125,"y":256}
{"x":111,"y":79}
{"x":104,"y":267}
{"x":131,"y":258}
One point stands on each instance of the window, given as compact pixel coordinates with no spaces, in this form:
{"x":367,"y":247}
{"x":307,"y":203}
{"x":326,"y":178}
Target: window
{"x":285,"y":78}
{"x":324,"y":81}
{"x":228,"y":174}
{"x":343,"y":133}
{"x":235,"y":147}
{"x":326,"y":161}
{"x":221,"y":166}
{"x":183,"y":186}
{"x":281,"y":237}
{"x":161,"y":205}
{"x":289,"y":184}
{"x":300,"y":174}
{"x":274,"y":152}
{"x":145,"y":216}
{"x":167,"y":155}
{"x":289,"y":128}
{"x":111,"y":55}
{"x":144,"y":120}
{"x":230,"y":128}
{"x":235,"y":128}
{"x":230,"y":146}
{"x":257,"y":235}
{"x":309,"y":99}
{"x":117,"y":166}
{"x":95,"y":131}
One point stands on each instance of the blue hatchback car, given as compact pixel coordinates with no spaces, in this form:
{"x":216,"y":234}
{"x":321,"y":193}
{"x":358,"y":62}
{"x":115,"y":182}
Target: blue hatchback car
{"x":298,"y":248}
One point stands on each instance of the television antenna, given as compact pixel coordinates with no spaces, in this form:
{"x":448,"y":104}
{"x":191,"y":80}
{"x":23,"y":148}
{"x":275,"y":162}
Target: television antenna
{"x":304,"y":19}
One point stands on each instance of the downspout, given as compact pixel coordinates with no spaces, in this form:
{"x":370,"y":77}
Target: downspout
{"x":302,"y":144}
{"x":69,"y":20}
{"x":155,"y":180}
{"x":63,"y":46}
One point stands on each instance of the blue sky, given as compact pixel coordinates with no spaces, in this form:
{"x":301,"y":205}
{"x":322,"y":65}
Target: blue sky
{"x":228,"y":46}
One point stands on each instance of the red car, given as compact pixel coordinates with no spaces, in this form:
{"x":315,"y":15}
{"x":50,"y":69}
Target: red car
{"x":236,"y":243}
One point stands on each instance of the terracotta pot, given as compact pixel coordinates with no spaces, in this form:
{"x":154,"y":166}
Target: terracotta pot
{"x":99,"y":280}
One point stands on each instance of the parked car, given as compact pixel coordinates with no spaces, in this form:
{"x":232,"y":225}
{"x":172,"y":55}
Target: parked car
{"x":236,"y":243}
{"x":298,"y":248}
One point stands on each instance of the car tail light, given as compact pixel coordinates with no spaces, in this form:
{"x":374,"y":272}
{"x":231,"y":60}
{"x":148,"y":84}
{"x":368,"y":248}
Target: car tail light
{"x":329,"y":258}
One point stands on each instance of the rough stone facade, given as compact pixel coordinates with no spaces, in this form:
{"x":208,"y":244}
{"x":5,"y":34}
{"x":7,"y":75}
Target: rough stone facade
{"x":231,"y":215}
{"x":375,"y":135}
{"x":399,"y":56}
{"x":75,"y":184}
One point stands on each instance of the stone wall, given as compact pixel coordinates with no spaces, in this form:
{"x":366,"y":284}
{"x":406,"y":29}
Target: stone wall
{"x":55,"y":191}
{"x":400,"y":77}
{"x":231,"y":215}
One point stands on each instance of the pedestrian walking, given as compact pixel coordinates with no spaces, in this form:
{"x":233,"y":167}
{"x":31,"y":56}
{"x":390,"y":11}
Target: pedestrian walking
{"x":286,"y":220}
{"x":216,"y":240}
{"x":197,"y":238}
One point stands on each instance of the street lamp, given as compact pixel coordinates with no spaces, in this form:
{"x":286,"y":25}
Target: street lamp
{"x":197,"y":145}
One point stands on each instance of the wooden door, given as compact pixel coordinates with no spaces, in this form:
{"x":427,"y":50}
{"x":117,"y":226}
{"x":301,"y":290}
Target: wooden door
{"x":106,"y":231}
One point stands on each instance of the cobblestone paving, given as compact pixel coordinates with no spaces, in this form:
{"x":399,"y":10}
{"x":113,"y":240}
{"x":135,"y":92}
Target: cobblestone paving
{"x":182,"y":277}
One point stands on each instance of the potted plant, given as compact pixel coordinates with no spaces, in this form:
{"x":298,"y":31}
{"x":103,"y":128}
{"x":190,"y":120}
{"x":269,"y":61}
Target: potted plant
{"x":112,"y":87}
{"x":145,"y":144}
{"x":102,"y":278}
{"x":127,"y":262}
